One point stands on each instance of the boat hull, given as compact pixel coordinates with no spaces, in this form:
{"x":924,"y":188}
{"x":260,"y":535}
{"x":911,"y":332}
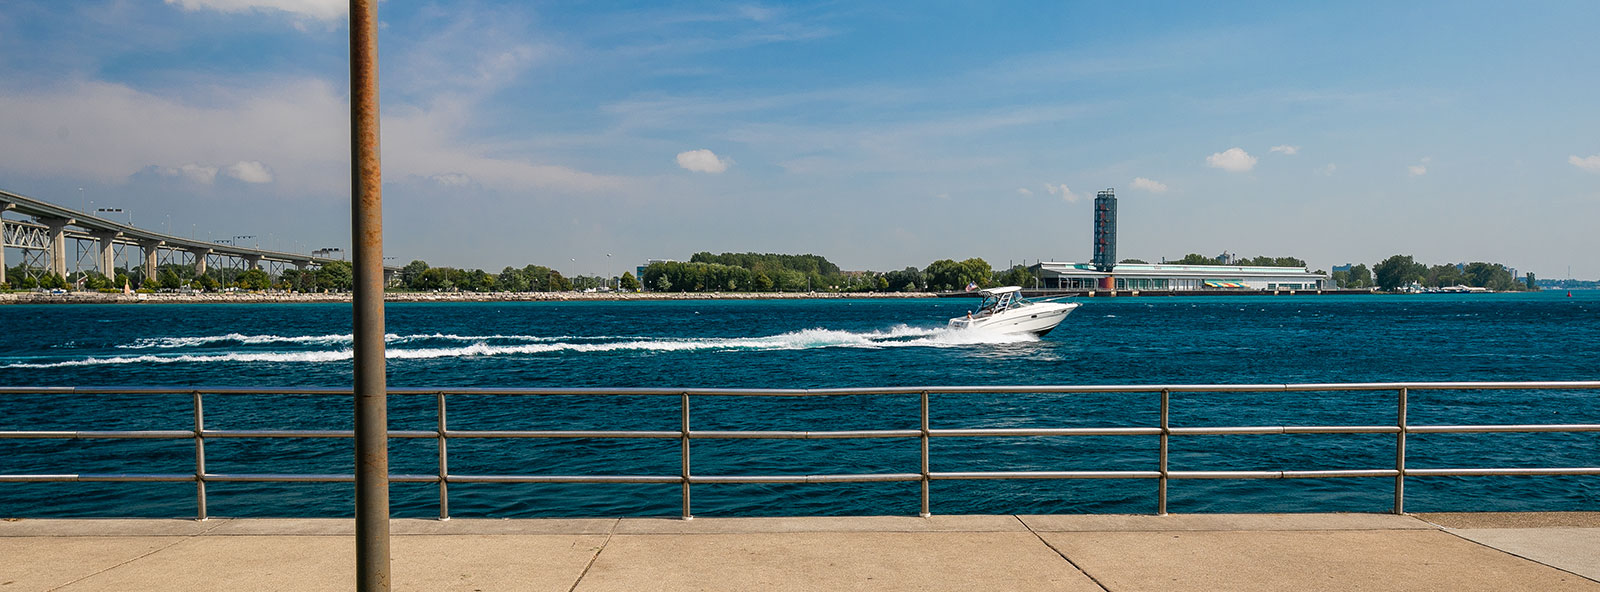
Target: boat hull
{"x":1037,"y":319}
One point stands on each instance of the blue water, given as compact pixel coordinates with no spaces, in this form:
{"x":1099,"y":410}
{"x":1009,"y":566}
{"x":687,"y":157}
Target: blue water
{"x":823,"y":343}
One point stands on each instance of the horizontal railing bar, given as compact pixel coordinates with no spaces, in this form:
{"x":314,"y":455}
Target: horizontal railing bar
{"x":1235,"y":430}
{"x":905,"y":390}
{"x":857,"y":478}
{"x":454,"y":478}
{"x":105,"y":435}
{"x":950,"y":476}
{"x":280,"y":477}
{"x":1465,"y":429}
{"x":98,"y":477}
{"x":283,"y":434}
{"x":979,"y":432}
{"x":792,"y":435}
{"x":1510,"y":472}
{"x":556,"y":434}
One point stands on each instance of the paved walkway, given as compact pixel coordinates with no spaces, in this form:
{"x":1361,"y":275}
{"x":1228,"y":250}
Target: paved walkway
{"x":1182,"y":552}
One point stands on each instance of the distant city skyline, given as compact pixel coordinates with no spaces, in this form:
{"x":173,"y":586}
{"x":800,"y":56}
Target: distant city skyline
{"x":591,"y":138}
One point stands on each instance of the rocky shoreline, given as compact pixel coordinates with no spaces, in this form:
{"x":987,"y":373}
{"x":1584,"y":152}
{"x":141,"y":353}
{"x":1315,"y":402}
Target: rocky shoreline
{"x":238,"y":297}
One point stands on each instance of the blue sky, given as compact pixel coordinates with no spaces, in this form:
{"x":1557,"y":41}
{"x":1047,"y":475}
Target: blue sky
{"x":880,"y":135}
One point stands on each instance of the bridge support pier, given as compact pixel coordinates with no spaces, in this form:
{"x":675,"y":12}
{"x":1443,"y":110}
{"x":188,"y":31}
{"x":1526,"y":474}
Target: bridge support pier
{"x":56,"y":228}
{"x":252,"y":261}
{"x":107,"y":259}
{"x":4,"y":205}
{"x":152,"y":260}
{"x":200,"y":260}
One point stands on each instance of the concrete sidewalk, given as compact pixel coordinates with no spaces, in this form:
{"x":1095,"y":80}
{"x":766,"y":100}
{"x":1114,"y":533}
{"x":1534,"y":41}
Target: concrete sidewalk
{"x":1082,"y":552}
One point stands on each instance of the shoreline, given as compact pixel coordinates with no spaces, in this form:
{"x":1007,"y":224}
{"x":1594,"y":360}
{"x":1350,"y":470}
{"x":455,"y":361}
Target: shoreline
{"x":402,"y":297}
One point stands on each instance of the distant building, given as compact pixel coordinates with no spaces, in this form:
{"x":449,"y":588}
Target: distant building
{"x":1157,"y":276}
{"x":1104,"y":273}
{"x":1345,"y":268}
{"x":1105,"y":229}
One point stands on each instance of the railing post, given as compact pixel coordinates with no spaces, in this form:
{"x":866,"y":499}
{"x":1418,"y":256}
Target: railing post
{"x":684,"y":472}
{"x":444,"y":465}
{"x":1400,"y":456}
{"x":199,"y":457}
{"x":1166,"y":433}
{"x":925,"y":473}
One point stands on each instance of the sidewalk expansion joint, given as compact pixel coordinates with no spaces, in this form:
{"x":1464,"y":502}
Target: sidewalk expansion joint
{"x":181,"y":540}
{"x":1451,"y":532}
{"x":1064,"y":557}
{"x":609,"y":533}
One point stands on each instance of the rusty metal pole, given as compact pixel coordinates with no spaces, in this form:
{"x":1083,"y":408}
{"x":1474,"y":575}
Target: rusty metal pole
{"x":371,"y":405}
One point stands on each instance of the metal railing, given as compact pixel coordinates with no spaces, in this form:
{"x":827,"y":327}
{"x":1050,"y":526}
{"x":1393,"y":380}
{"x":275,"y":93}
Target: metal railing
{"x":685,"y":434}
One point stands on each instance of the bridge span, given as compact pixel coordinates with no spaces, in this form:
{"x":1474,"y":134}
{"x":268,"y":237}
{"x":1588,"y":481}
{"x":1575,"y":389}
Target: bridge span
{"x":100,"y":242}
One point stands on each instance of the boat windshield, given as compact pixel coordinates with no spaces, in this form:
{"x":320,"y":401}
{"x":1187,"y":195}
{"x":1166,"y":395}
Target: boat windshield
{"x":993,"y":303}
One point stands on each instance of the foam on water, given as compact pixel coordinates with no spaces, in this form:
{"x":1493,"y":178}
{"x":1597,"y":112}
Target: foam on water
{"x":480,"y":346}
{"x":182,"y":342}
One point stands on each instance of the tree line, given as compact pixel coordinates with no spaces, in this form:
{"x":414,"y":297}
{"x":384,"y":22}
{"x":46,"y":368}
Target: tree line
{"x":1399,"y":271}
{"x":335,"y":276}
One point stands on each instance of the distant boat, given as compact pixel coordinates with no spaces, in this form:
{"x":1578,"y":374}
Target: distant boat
{"x":1005,"y":311}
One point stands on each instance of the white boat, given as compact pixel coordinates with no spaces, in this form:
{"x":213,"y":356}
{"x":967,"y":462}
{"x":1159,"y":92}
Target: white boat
{"x":1004,"y":310}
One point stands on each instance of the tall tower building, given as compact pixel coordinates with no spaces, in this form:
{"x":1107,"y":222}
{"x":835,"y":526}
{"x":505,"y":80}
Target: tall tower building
{"x":1105,"y":230}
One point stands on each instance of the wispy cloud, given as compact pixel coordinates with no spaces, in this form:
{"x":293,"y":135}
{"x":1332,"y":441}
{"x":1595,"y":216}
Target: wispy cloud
{"x":317,"y":9}
{"x":1024,"y":191}
{"x":109,"y":132}
{"x":1327,"y":170}
{"x":1062,"y":192}
{"x":1151,"y":185}
{"x":702,"y":161}
{"x":1233,"y":160}
{"x":1418,"y":170}
{"x":1589,"y":163}
{"x":1286,"y":150}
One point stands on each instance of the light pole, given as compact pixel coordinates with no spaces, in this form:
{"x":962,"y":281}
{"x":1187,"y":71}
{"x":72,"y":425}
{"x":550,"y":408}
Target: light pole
{"x":608,"y":272}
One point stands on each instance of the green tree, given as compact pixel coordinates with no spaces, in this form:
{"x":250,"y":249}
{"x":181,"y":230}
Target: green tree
{"x":1360,"y":276}
{"x":52,"y":281}
{"x":1533,"y":285}
{"x":631,"y":283}
{"x":1398,"y":270}
{"x":411,"y":272}
{"x":254,"y":279}
{"x":336,"y":276}
{"x":168,"y":279}
{"x":207,"y":283}
{"x":1140,"y":261}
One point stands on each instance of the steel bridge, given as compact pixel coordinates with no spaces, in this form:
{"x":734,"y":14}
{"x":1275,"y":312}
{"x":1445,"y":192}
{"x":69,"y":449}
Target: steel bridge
{"x":98,"y":243}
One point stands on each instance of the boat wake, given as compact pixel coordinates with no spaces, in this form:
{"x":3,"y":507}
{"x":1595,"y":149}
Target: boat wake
{"x":238,"y":348}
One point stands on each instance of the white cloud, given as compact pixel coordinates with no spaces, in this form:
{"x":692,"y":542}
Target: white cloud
{"x":1151,"y":185}
{"x":1417,"y":170}
{"x":250,"y":171}
{"x":1287,"y":150}
{"x":108,"y":132}
{"x":193,"y":172}
{"x":1590,"y":163}
{"x":1062,"y":192}
{"x":702,"y":161}
{"x":1327,"y":170}
{"x":452,"y":179}
{"x":1024,"y":191}
{"x":318,"y":9}
{"x":1233,"y":160}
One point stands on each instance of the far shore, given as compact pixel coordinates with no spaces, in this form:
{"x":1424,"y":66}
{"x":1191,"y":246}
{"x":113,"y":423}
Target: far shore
{"x":237,"y":297}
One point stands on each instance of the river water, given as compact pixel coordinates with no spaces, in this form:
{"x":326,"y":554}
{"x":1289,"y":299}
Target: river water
{"x":812,"y":343}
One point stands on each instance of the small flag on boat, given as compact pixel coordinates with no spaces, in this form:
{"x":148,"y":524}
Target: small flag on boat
{"x":972,"y":286}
